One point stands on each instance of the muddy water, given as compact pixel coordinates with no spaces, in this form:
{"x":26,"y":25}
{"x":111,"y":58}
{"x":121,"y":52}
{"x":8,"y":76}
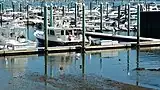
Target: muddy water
{"x":69,"y":70}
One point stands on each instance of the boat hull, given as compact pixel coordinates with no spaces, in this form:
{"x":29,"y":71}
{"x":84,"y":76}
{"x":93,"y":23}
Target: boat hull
{"x":41,"y":43}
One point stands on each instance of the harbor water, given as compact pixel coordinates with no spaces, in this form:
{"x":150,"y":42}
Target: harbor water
{"x":27,"y":72}
{"x":68,"y":71}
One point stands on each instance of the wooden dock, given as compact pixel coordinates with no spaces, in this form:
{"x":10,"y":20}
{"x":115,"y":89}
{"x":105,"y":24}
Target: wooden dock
{"x":118,"y":37}
{"x":78,"y":48}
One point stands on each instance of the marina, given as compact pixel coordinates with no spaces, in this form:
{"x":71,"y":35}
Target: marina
{"x":78,"y":45}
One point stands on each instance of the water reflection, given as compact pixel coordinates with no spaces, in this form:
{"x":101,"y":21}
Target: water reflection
{"x":128,"y":58}
{"x":137,"y":62}
{"x":61,"y":62}
{"x":15,"y":65}
{"x":105,"y":64}
{"x":83,"y":63}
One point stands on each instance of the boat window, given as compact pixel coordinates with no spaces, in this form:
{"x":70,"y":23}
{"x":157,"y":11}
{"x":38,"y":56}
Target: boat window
{"x":52,"y":32}
{"x":62,"y":32}
{"x":68,"y":32}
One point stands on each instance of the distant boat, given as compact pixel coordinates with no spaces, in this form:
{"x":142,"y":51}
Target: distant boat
{"x":15,"y":39}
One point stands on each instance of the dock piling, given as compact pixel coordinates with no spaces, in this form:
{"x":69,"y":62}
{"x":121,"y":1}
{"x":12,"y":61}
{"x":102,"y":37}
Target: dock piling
{"x":68,"y":7}
{"x":46,"y":26}
{"x":1,"y":12}
{"x":125,"y":11}
{"x":13,"y":9}
{"x":119,"y":11}
{"x":138,"y":24}
{"x":2,"y":7}
{"x":83,"y":28}
{"x":63,"y":11}
{"x":107,"y":10}
{"x":27,"y":21}
{"x":75,"y":14}
{"x":101,"y":16}
{"x":51,"y":15}
{"x":20,"y":6}
{"x":128,"y":19}
{"x":90,"y":8}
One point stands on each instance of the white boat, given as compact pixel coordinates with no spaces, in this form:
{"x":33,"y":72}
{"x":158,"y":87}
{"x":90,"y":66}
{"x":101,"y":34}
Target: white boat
{"x":15,"y":39}
{"x":61,"y":37}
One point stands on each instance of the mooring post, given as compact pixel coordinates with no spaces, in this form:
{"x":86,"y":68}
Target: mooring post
{"x":46,"y":26}
{"x":113,"y":5}
{"x":20,"y":6}
{"x":101,"y":16}
{"x":138,"y":24}
{"x":1,"y":12}
{"x":13,"y":9}
{"x":107,"y":10}
{"x":90,"y":8}
{"x":75,"y":14}
{"x":83,"y":27}
{"x":68,"y":7}
{"x":119,"y":11}
{"x":63,"y":11}
{"x":41,"y":8}
{"x":125,"y":12}
{"x":2,"y":7}
{"x":129,"y":19}
{"x":51,"y":15}
{"x":27,"y":21}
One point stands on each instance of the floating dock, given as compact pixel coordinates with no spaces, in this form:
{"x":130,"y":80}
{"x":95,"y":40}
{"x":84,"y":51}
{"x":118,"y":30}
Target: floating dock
{"x":118,"y":37}
{"x":78,"y":48}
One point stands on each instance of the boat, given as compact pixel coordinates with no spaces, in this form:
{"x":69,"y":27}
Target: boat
{"x":15,"y":38}
{"x":61,"y":37}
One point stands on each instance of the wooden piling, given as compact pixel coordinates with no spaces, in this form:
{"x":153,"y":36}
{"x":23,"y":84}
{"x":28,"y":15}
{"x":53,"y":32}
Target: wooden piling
{"x":119,"y":11}
{"x":125,"y":11}
{"x":27,"y":22}
{"x":1,"y":12}
{"x":128,"y":20}
{"x":20,"y":7}
{"x":101,"y":16}
{"x":2,"y":7}
{"x":63,"y":11}
{"x":46,"y":26}
{"x":107,"y":10}
{"x":90,"y":8}
{"x":51,"y":15}
{"x":68,"y":7}
{"x":83,"y":27}
{"x":138,"y":24}
{"x":75,"y":14}
{"x":13,"y":9}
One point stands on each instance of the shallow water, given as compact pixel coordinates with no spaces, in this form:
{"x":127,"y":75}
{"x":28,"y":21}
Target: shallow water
{"x":116,"y":65}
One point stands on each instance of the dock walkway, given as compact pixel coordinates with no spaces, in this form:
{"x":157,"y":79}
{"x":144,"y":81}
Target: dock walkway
{"x":78,"y":48}
{"x":118,"y":37}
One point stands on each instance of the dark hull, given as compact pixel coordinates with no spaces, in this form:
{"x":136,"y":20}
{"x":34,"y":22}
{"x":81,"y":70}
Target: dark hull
{"x":41,"y":43}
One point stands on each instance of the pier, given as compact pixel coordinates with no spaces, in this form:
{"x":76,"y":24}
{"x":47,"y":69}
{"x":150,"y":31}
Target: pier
{"x":78,"y":48}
